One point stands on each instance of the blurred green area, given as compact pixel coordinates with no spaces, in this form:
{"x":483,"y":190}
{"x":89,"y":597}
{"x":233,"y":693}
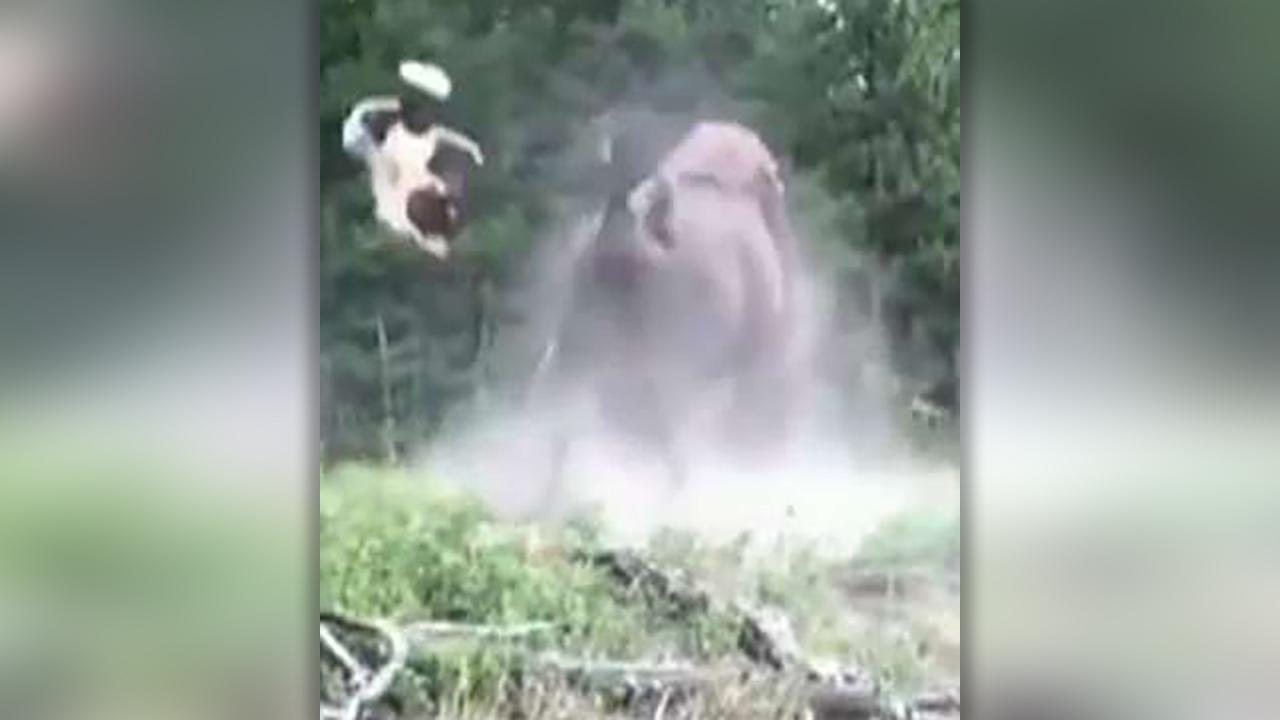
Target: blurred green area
{"x":136,"y":587}
{"x":861,"y":97}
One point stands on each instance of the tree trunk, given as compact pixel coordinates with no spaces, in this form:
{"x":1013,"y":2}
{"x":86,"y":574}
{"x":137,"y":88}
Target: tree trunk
{"x":388,"y":415}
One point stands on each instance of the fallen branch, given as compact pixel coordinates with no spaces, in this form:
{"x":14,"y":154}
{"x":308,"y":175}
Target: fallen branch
{"x":366,"y":687}
{"x":356,"y":671}
{"x":830,"y":696}
{"x":617,"y":675}
{"x":938,"y":702}
{"x":631,"y":570}
{"x":766,"y":639}
{"x":661,"y":710}
{"x":643,"y":689}
{"x":765,"y":635}
{"x":831,"y":702}
{"x":427,"y":632}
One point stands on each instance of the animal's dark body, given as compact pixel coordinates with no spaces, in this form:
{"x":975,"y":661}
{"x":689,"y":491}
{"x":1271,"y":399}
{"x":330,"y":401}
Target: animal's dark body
{"x":688,"y":286}
{"x":433,"y":213}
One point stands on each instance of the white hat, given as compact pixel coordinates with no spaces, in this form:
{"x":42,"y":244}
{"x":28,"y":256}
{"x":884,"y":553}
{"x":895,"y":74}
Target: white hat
{"x":427,"y":77}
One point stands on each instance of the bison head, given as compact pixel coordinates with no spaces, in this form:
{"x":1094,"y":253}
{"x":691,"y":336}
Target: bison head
{"x":638,"y":208}
{"x":654,"y":161}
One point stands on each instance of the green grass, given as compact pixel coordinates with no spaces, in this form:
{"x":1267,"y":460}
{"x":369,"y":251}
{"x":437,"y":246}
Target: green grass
{"x":922,"y":540}
{"x":398,"y":545}
{"x":394,"y":545}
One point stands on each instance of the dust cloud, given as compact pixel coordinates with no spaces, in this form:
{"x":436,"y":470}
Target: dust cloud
{"x":847,"y":466}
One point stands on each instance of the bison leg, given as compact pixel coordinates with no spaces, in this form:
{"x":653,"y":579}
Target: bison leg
{"x":667,"y":425}
{"x":760,"y":412}
{"x":555,"y":484}
{"x":677,"y":466}
{"x":550,"y":389}
{"x":640,"y":409}
{"x":759,"y":417}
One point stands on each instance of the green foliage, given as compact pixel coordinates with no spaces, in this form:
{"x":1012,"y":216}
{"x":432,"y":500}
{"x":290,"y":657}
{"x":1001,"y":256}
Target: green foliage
{"x":807,"y":586}
{"x":860,"y":96}
{"x":395,"y":545}
{"x":913,"y":540}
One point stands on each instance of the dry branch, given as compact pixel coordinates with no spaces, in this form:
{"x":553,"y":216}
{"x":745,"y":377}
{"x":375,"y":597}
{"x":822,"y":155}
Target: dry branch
{"x":366,"y":687}
{"x":616,"y":675}
{"x":427,"y":632}
{"x":848,"y":697}
{"x":356,"y":671}
{"x":766,"y":638}
{"x":765,"y":635}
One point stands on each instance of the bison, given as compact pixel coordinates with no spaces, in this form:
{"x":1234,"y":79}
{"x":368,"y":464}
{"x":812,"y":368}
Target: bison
{"x":686,"y":291}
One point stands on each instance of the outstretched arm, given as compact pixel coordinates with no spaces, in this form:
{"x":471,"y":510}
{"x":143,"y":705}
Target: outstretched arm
{"x":460,"y":141}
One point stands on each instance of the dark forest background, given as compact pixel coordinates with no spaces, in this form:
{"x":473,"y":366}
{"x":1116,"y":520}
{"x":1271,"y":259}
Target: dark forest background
{"x":861,"y":98}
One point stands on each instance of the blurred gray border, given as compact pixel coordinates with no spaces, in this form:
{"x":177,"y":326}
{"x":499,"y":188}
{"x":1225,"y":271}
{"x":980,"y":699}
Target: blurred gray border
{"x":311,"y":47}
